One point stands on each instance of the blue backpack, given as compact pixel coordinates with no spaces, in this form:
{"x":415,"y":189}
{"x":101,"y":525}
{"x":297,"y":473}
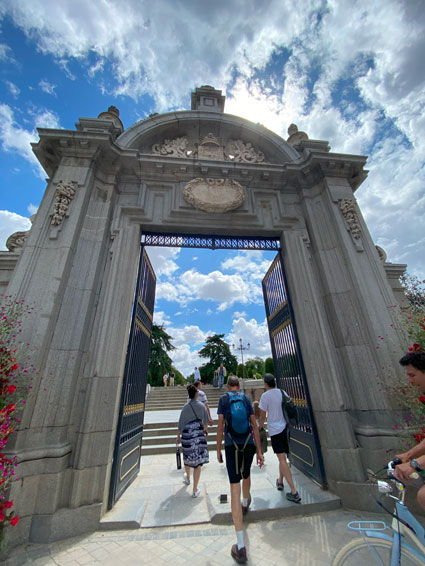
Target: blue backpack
{"x":237,"y":417}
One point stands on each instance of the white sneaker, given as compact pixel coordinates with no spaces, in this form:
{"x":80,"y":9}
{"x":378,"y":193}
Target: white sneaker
{"x":186,"y":480}
{"x":196,"y":493}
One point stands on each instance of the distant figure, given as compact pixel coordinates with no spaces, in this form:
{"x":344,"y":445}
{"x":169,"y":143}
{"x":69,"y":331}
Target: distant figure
{"x":197,"y":375}
{"x":221,"y":375}
{"x":271,"y":405}
{"x":192,"y":433}
{"x":171,"y":379}
{"x":165,"y":379}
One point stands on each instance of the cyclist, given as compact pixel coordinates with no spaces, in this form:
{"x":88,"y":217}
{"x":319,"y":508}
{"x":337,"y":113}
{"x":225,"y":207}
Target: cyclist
{"x":414,"y":459}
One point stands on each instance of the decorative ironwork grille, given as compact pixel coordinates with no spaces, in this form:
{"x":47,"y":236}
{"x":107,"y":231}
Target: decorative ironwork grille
{"x":130,"y":421}
{"x":289,"y":371}
{"x":210,"y":242}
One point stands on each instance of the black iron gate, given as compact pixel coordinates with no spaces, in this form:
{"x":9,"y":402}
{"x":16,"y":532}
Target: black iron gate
{"x":289,"y":371}
{"x":126,"y":461}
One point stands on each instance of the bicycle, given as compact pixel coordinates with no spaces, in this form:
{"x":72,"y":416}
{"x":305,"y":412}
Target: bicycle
{"x":386,"y":545}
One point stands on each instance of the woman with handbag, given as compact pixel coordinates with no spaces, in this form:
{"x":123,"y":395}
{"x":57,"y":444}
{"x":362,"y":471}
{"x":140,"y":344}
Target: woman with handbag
{"x":192,"y":433}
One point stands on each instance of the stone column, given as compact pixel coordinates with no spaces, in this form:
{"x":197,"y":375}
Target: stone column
{"x":348,"y":361}
{"x":60,"y":273}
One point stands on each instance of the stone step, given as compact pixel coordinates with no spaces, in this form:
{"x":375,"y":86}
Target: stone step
{"x":169,"y":448}
{"x":160,"y":432}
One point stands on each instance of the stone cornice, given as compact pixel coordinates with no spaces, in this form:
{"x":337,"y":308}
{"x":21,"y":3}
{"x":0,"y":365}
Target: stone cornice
{"x":303,"y":173}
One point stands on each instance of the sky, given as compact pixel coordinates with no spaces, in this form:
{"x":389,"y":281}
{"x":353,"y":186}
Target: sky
{"x":346,"y":71}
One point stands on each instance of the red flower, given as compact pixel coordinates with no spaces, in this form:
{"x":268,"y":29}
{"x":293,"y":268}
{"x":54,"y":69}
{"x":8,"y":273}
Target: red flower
{"x":8,"y":504}
{"x":14,"y":521}
{"x":415,"y":348}
{"x":11,"y":389}
{"x":2,"y":517}
{"x":422,"y":398}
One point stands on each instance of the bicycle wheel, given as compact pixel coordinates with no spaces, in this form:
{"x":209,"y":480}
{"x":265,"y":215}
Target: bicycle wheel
{"x":362,"y":552}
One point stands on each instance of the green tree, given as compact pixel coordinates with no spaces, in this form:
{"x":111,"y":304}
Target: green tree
{"x":217,"y":351}
{"x":257,"y":365}
{"x":269,"y":367}
{"x":239,"y":371}
{"x":159,"y":360}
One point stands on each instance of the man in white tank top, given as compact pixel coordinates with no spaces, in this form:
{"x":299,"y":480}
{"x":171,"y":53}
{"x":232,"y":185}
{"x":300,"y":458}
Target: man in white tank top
{"x":271,"y":406}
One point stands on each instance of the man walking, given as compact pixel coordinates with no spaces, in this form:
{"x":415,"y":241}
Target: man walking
{"x":236,"y":419}
{"x":271,"y":405}
{"x":221,"y":375}
{"x":165,"y":379}
{"x":197,"y":375}
{"x":171,"y":378}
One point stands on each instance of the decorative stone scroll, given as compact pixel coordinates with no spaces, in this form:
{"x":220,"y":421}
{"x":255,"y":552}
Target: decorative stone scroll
{"x":210,"y":147}
{"x":16,"y":241}
{"x":214,"y":195}
{"x":65,"y":192}
{"x":348,"y":209}
{"x":177,"y":147}
{"x":239,"y":151}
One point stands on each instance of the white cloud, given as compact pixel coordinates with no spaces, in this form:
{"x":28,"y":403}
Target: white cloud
{"x":252,"y":332}
{"x":47,"y":87}
{"x":13,"y":89}
{"x":32,"y":209}
{"x":11,"y":222}
{"x":162,"y":260}
{"x":16,"y":139}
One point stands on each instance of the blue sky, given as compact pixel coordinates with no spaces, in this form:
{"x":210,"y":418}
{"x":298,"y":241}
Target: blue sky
{"x":350,"y":72}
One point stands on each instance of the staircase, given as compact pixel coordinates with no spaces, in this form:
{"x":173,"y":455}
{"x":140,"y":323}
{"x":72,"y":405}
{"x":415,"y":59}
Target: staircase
{"x":160,"y":437}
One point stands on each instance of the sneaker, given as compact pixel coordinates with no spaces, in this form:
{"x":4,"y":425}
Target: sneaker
{"x":186,"y":480}
{"x":294,"y":497}
{"x":196,"y":493}
{"x":279,"y":485}
{"x":238,"y":554}
{"x":245,"y":508}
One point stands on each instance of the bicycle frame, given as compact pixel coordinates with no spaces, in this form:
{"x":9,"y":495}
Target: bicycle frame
{"x":374,"y":529}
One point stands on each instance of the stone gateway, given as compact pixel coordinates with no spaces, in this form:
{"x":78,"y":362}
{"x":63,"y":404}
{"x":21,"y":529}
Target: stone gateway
{"x":219,"y":175}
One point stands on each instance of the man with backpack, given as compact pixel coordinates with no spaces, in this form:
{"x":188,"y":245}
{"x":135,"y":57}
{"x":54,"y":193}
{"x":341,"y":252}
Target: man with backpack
{"x":237,"y":421}
{"x":278,"y":427}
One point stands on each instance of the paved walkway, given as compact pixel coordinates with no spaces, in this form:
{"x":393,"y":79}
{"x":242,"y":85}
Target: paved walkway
{"x":297,"y":541}
{"x":157,"y":522}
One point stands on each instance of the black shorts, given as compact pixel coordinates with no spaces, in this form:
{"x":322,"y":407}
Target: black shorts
{"x":233,"y":471}
{"x":280,"y":442}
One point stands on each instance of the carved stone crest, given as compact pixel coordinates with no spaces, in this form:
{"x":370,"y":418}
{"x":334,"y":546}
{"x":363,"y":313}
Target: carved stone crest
{"x":348,"y":209}
{"x":214,"y":195}
{"x":65,"y":192}
{"x":210,"y":147}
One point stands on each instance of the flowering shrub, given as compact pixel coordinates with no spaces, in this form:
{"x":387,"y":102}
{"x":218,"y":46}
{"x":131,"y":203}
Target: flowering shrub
{"x":15,"y":370}
{"x":411,"y":321}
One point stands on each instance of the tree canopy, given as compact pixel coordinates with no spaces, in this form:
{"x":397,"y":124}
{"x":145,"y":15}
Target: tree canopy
{"x":217,"y":351}
{"x":159,"y":360}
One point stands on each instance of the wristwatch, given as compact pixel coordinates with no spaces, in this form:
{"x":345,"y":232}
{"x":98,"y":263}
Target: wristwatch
{"x":417,"y":467}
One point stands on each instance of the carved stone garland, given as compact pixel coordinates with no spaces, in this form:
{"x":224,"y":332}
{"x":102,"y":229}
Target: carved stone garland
{"x":348,"y":209}
{"x":65,"y":192}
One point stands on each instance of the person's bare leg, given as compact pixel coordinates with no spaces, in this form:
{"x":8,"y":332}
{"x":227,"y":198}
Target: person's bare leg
{"x":246,"y":487}
{"x":421,"y":497}
{"x":187,"y":470}
{"x":284,"y":471}
{"x":235,"y":502}
{"x":196,"y":476}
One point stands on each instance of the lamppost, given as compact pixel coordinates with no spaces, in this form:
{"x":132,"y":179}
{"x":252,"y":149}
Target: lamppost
{"x":241,"y":348}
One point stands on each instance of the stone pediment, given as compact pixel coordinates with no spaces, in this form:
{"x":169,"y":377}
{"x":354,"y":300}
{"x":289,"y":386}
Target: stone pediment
{"x":210,"y":147}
